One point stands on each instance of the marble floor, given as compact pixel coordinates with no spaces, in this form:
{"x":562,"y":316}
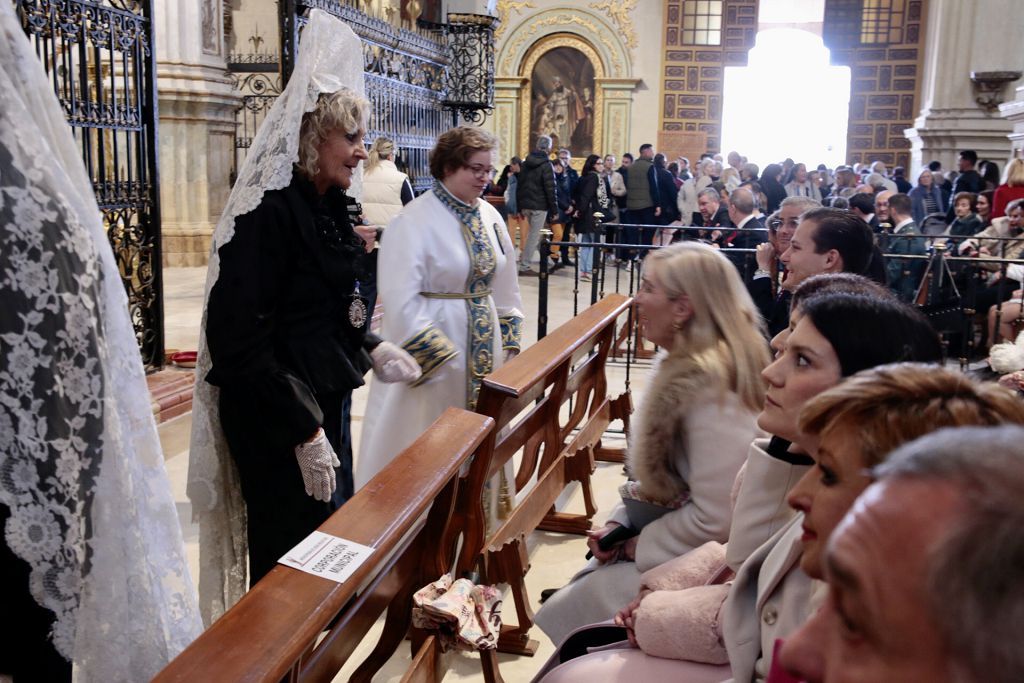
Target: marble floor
{"x":554,"y":558}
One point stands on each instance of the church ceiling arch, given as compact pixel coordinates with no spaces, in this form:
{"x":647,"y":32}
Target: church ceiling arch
{"x":520,"y":41}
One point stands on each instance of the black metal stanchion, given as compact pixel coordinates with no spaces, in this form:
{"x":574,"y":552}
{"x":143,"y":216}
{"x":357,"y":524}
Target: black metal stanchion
{"x":542,"y":307}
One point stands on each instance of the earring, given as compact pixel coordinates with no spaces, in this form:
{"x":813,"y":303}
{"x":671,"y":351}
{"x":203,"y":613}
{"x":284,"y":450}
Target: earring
{"x":677,"y":326}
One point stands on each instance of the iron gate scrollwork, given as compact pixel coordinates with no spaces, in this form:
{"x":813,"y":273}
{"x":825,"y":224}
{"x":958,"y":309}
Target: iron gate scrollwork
{"x":405,"y":73}
{"x":99,"y":56}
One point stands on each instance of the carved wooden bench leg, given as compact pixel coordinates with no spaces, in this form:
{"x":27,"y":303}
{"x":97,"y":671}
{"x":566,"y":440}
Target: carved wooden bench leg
{"x":578,"y":467}
{"x":489,"y":665}
{"x":621,"y":409}
{"x":396,"y":626}
{"x":509,"y":564}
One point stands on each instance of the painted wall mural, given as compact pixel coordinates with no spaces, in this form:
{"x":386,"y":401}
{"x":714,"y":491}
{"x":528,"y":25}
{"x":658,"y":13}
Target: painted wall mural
{"x":562,"y":100}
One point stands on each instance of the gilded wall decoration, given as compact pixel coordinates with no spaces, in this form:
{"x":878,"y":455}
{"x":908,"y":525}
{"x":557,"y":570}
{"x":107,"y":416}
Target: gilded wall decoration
{"x":580,"y":22}
{"x":505,"y":9}
{"x":603,"y":47}
{"x":620,"y":11}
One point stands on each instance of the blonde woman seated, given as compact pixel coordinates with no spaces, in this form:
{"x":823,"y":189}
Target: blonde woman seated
{"x":690,"y":434}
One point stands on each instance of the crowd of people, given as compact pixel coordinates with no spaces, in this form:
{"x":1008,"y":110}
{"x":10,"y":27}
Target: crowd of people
{"x":783,"y":489}
{"x":733,"y":205}
{"x":811,"y":496}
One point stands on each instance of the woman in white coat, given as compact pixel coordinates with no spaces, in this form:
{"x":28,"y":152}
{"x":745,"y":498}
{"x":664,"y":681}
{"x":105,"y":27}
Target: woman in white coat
{"x":447,"y":280}
{"x":690,"y":434}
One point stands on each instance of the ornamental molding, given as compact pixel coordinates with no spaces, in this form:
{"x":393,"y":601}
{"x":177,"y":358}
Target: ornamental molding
{"x":620,"y":11}
{"x":613,"y":54}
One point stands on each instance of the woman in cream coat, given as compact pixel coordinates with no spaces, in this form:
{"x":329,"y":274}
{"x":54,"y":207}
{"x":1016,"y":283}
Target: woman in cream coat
{"x":385,"y":189}
{"x":690,"y":434}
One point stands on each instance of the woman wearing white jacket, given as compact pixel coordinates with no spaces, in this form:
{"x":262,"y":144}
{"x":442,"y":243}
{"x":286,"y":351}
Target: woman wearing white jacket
{"x":385,"y":189}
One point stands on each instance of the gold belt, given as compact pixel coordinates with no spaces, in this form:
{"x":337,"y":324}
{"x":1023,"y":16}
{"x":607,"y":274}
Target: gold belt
{"x":456,"y":295}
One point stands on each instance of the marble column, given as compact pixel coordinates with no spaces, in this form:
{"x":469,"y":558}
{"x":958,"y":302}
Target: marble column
{"x":197,"y":105}
{"x":1014,"y":113}
{"x":963,"y":37}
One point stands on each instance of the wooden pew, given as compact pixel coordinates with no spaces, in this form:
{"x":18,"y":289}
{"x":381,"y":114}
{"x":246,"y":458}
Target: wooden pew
{"x":525,"y":398}
{"x":272,"y":633}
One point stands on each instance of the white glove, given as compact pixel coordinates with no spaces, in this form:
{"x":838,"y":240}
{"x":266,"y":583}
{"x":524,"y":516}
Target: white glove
{"x":392,"y":364}
{"x":317,"y":462}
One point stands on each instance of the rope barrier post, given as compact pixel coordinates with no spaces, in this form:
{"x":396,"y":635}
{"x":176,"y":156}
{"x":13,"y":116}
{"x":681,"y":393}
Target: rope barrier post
{"x":542,"y":308}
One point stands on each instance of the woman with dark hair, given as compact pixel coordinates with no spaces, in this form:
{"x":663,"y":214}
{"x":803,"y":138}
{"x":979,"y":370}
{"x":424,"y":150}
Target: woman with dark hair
{"x":667,"y":191}
{"x":593,"y":207}
{"x":799,"y":185}
{"x":770,"y":597}
{"x":989,"y":172}
{"x":983,"y":208}
{"x":966,"y":222}
{"x":773,"y":189}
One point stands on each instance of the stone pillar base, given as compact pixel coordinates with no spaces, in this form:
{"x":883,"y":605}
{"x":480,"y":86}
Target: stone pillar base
{"x":185,"y":247}
{"x":197,"y":127}
{"x":941,"y":134}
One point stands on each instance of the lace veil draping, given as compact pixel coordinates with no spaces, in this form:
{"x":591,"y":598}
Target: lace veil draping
{"x":81,"y":468}
{"x":330,"y":58}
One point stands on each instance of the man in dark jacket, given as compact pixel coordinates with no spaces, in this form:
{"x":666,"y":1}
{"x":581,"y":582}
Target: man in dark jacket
{"x":535,"y":198}
{"x":969,"y":180}
{"x":904,"y":275}
{"x":561,"y":226}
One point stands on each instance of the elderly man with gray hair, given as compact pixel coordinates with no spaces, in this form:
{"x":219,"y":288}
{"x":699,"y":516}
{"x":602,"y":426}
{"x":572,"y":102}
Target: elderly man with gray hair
{"x":742,"y":206}
{"x":535,"y":197}
{"x":926,"y":571}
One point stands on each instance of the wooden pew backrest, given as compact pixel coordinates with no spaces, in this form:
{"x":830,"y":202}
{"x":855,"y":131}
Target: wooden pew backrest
{"x":271,"y":632}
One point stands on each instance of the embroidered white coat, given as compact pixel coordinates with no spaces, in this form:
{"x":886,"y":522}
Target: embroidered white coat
{"x":423,"y":250}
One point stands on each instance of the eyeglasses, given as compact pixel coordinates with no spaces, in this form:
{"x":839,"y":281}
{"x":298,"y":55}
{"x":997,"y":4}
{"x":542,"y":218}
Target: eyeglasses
{"x":480,"y":171}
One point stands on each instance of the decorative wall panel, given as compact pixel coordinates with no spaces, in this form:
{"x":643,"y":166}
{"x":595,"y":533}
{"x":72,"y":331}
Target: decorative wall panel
{"x":881,"y":42}
{"x":695,"y":54}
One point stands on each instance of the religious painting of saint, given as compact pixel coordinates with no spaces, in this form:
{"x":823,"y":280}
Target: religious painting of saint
{"x":562,"y":100}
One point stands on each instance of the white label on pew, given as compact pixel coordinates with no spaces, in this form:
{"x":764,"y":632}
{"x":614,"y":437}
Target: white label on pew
{"x":327,"y":556}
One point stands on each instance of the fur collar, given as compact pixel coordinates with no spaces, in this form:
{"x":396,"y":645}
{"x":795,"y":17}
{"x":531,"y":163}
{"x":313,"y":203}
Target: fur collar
{"x":658,"y":438}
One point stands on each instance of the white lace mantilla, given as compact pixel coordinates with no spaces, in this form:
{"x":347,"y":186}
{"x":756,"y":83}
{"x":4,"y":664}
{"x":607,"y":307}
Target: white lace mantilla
{"x":82,"y":472}
{"x":330,"y":58}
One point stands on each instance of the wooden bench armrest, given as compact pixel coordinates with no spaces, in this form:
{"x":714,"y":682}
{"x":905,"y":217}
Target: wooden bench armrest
{"x":276,"y":623}
{"x":536,"y":363}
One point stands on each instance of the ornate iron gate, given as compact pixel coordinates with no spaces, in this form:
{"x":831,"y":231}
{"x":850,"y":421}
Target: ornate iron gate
{"x":405,"y":78}
{"x":99,"y":55}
